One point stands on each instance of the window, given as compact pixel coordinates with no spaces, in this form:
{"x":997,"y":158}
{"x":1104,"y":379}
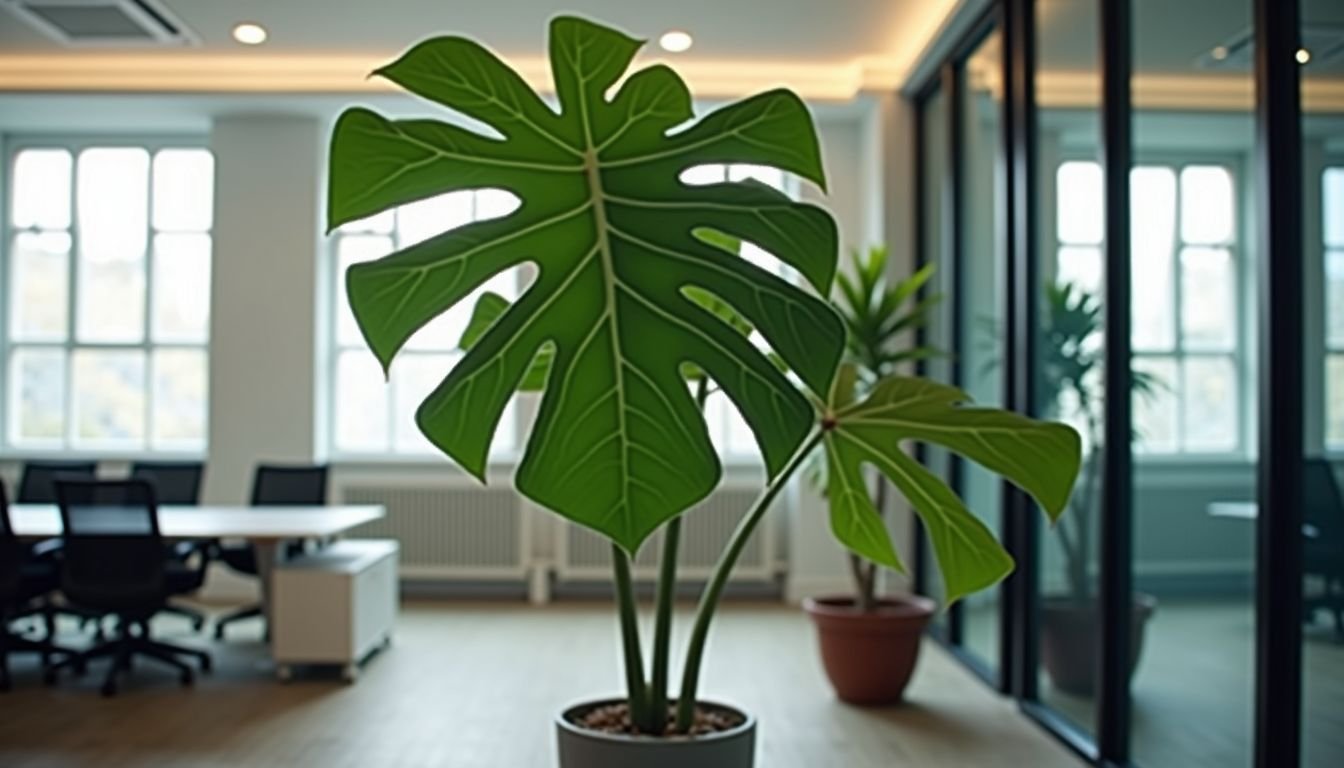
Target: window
{"x":1332,"y":202}
{"x":1186,"y":333}
{"x":108,"y":259}
{"x":373,"y":416}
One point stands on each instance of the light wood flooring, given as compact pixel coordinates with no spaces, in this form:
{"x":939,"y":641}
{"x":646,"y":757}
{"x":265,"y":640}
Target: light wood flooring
{"x":473,"y":684}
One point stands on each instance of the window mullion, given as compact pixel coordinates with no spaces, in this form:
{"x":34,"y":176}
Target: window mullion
{"x":71,"y":305}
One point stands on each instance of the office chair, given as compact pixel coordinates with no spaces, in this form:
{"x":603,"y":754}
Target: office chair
{"x":1323,"y":550}
{"x":38,"y":483}
{"x":179,"y":483}
{"x":25,"y":582}
{"x":114,"y":561}
{"x":272,"y":485}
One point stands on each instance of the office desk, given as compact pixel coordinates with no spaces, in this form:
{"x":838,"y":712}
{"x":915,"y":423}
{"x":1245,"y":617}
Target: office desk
{"x":267,"y":528}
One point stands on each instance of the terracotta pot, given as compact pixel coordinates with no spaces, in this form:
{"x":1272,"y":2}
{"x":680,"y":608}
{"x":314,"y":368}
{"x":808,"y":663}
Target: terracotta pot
{"x":584,"y":748}
{"x":1071,"y":640}
{"x":870,"y":656}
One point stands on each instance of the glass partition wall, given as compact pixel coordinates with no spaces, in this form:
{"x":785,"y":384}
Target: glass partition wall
{"x":1138,"y":210}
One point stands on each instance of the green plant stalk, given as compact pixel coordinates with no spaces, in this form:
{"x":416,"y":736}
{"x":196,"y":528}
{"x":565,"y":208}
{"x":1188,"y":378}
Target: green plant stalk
{"x":709,"y":599}
{"x":662,"y":623}
{"x":667,"y":593}
{"x":634,"y":661}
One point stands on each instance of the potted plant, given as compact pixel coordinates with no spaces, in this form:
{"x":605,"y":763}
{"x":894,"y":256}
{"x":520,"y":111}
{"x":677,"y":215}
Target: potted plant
{"x":1071,"y":365}
{"x":632,"y":311}
{"x":869,"y":645}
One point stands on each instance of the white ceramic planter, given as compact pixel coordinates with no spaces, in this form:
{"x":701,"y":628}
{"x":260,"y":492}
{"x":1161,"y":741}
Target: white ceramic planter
{"x":584,"y":748}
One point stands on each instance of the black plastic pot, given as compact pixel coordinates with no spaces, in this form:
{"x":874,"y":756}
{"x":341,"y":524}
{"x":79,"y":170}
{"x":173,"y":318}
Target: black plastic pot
{"x":584,"y":748}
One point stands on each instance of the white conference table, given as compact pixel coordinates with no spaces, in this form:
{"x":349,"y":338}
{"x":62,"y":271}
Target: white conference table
{"x":266,"y":527}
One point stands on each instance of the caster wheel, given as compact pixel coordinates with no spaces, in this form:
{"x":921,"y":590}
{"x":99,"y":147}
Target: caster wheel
{"x":186,"y":678}
{"x":108,"y":690}
{"x":49,"y":676}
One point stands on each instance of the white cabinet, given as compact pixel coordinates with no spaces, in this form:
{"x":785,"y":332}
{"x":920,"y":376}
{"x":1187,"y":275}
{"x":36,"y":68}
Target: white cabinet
{"x":334,"y":606}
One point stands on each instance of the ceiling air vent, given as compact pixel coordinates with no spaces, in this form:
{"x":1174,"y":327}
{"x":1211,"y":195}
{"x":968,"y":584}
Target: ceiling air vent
{"x":104,"y":22}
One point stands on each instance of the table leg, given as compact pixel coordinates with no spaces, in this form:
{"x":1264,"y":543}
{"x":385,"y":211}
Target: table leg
{"x":269,"y":553}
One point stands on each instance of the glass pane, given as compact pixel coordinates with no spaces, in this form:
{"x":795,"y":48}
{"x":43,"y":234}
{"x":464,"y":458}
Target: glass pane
{"x":361,"y":403}
{"x":1334,"y":401}
{"x":1081,"y":209}
{"x":1069,"y":359}
{"x":37,"y":396}
{"x":1209,"y":407}
{"x":1332,"y":206}
{"x":109,"y":397}
{"x":184,"y":190}
{"x":111,"y":301}
{"x":1155,"y":405}
{"x":1208,"y":295}
{"x":181,"y":288}
{"x":432,"y":216}
{"x":1152,"y":197}
{"x":932,"y":185}
{"x":180,"y":381}
{"x":41,"y":189}
{"x":414,"y":377}
{"x":1334,"y":299}
{"x":980,"y":350}
{"x":1207,"y":204}
{"x":771,"y":177}
{"x":352,"y":249}
{"x":40,"y":280}
{"x":705,"y":174}
{"x":113,"y":192}
{"x":493,"y":203}
{"x":1081,"y":268}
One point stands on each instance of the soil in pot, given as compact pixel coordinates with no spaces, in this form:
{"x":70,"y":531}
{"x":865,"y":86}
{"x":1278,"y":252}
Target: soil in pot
{"x":869,"y":656}
{"x":1071,"y":640}
{"x":599,"y":735}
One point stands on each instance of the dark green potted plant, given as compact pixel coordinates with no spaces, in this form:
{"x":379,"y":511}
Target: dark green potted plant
{"x":1072,"y":360}
{"x":634,"y":308}
{"x":870,"y":644}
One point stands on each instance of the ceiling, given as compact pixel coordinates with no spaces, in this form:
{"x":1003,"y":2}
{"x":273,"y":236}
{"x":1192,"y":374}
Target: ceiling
{"x":788,"y":36}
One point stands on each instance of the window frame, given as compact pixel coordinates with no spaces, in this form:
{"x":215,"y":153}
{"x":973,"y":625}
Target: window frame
{"x":1333,"y":450}
{"x":67,"y":448}
{"x":1242,"y":256}
{"x":526,"y":403}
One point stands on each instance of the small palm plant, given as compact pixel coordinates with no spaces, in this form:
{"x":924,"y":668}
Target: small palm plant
{"x":879,"y":313}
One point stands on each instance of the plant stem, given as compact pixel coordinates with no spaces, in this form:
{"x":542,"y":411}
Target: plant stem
{"x":709,"y":599}
{"x":634,"y":661}
{"x":662,"y":624}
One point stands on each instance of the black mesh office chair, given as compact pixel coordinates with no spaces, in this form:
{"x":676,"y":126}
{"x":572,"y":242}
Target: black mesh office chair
{"x":113,"y":561}
{"x":179,"y":483}
{"x":1323,"y":546}
{"x":25,"y":582}
{"x":272,"y":486}
{"x":38,"y":483}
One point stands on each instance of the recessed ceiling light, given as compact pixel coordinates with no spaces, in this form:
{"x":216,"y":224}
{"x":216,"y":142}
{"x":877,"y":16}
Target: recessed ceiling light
{"x":1303,"y":55}
{"x":675,"y":41}
{"x":1219,"y":53}
{"x":249,"y":33}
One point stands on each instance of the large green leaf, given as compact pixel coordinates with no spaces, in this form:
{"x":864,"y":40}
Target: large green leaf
{"x":618,"y":443}
{"x":1040,"y":457}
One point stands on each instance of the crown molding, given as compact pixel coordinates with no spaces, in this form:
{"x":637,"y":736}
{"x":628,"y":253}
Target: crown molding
{"x":197,"y":72}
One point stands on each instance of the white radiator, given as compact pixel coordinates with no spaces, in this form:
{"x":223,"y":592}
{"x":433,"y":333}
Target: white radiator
{"x":582,"y":555}
{"x":448,"y":530}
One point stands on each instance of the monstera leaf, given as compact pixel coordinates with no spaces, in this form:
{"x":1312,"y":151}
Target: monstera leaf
{"x":618,"y":444}
{"x":1041,"y":458}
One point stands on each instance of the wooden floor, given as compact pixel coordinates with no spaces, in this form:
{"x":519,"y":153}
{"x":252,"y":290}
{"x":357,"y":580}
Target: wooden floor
{"x":471,"y":684}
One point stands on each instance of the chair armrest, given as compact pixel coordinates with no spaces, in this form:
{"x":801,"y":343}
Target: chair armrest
{"x":48,"y":548}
